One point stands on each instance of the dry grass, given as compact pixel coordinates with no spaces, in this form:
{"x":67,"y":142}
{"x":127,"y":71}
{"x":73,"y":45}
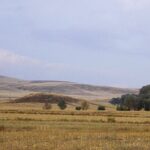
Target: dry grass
{"x":36,"y":129}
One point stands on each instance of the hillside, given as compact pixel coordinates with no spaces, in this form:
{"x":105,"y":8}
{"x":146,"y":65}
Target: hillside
{"x":14,"y":88}
{"x":43,"y":98}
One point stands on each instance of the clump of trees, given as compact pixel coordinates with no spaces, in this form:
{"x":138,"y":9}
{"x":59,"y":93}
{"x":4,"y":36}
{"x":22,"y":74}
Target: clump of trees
{"x":134,"y":102}
{"x":85,"y":105}
{"x":63,"y":105}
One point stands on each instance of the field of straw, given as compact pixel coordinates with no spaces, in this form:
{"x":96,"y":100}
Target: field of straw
{"x":31,"y":128}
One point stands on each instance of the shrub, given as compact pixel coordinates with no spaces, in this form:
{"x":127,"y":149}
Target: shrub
{"x":78,"y":107}
{"x":47,"y":106}
{"x":62,"y":104}
{"x":84,"y":105}
{"x":100,"y":107}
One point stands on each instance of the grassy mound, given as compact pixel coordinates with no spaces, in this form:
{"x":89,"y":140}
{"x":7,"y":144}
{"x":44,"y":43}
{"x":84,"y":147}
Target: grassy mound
{"x":42,"y":98}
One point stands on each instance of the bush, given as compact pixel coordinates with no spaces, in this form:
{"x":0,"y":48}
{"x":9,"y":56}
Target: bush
{"x":62,"y":104}
{"x":47,"y":106}
{"x":78,"y":107}
{"x":100,"y":107}
{"x":84,"y":105}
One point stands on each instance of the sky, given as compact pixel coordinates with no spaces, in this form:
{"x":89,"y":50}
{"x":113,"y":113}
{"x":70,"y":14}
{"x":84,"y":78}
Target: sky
{"x":85,"y":41}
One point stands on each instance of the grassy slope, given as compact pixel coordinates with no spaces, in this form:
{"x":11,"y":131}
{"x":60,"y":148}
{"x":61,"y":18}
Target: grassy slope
{"x":10,"y":87}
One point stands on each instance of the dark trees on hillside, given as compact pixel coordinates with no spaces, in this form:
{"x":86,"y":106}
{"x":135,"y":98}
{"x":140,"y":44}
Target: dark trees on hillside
{"x":134,"y":102}
{"x":129,"y":102}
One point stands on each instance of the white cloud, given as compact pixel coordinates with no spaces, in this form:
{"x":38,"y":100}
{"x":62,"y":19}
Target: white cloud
{"x":13,"y":64}
{"x":7,"y":57}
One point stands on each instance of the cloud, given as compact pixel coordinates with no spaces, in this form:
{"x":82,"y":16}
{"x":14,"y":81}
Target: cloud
{"x":8,"y":57}
{"x":13,"y":64}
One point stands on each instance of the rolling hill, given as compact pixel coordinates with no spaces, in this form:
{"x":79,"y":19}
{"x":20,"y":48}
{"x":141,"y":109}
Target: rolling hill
{"x":11,"y":88}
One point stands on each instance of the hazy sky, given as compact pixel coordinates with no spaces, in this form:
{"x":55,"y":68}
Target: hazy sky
{"x":87,"y":41}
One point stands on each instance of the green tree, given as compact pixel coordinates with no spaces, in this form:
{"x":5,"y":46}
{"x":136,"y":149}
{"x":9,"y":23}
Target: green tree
{"x":62,"y":104}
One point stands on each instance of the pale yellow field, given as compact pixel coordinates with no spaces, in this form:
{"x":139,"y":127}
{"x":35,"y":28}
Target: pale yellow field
{"x":28,"y":127}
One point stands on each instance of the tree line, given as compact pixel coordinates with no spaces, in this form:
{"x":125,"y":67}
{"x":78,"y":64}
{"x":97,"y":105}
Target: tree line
{"x":134,"y":102}
{"x":63,"y":105}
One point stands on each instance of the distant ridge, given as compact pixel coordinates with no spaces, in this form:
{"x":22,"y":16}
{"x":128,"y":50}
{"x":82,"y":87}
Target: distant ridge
{"x":12,"y":87}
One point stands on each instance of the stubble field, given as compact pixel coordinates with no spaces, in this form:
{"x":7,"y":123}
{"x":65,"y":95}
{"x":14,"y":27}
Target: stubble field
{"x":31,"y":128}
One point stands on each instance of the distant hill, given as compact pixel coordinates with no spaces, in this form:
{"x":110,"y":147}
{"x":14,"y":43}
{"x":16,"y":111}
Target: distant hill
{"x":11,"y":88}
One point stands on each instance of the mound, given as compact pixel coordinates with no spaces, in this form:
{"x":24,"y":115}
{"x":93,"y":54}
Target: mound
{"x":42,"y":98}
